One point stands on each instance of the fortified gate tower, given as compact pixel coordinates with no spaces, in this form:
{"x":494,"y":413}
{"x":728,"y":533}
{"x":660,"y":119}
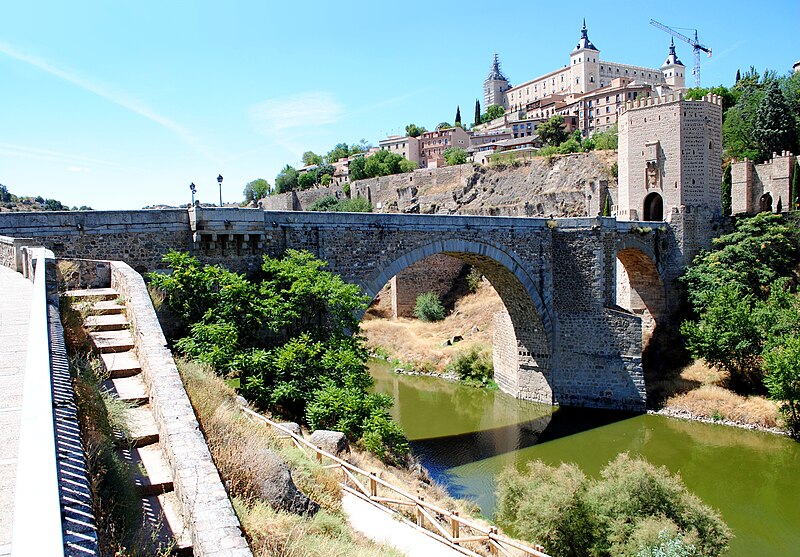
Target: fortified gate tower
{"x":670,"y":166}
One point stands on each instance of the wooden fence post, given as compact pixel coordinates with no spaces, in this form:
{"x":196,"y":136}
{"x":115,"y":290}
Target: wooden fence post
{"x":373,"y":485}
{"x":455,"y":526}
{"x":420,"y":516}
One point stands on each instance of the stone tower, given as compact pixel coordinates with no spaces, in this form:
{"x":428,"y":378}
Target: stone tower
{"x":495,"y":85}
{"x":584,"y":62}
{"x":673,"y":69}
{"x":670,"y":166}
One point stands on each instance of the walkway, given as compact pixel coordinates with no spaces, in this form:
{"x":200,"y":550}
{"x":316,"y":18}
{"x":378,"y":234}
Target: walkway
{"x":381,"y":526}
{"x":15,"y":305}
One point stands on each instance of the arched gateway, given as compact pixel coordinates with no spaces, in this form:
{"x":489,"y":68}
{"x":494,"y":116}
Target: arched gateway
{"x":522,"y":359}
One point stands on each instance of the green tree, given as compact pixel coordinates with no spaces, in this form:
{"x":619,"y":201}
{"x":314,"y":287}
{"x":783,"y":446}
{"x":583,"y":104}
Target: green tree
{"x":552,"y":131}
{"x":606,"y":140}
{"x":477,"y":113}
{"x":493,"y":111}
{"x":412,"y":130}
{"x":340,"y":151}
{"x":727,"y":185}
{"x":382,"y":163}
{"x":782,"y":377}
{"x":454,"y":155}
{"x":458,"y":115}
{"x":286,"y":180}
{"x":737,"y":128}
{"x":255,"y":190}
{"x":5,"y":195}
{"x":306,"y":180}
{"x":311,"y":158}
{"x":774,"y":129}
{"x":443,"y":126}
{"x":795,"y":188}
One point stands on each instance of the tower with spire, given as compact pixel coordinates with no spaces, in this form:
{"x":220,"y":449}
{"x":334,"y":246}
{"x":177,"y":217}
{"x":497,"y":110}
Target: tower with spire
{"x":673,"y":69}
{"x":584,"y":61}
{"x":495,"y":85}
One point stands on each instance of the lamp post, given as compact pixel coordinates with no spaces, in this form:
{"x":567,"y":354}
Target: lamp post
{"x":193,"y":188}
{"x":219,"y":181}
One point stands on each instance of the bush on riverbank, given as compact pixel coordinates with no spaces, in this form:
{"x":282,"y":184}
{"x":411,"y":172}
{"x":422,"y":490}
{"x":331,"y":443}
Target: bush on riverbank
{"x":473,"y":366}
{"x":744,"y":293}
{"x":634,"y":508}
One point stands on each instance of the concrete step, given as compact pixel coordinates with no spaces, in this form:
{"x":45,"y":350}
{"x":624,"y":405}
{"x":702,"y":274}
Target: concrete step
{"x":142,"y":428}
{"x":110,"y":322}
{"x":106,"y":307}
{"x":121,"y":364}
{"x":163,"y":514}
{"x":151,"y":472}
{"x":92,"y":294}
{"x":111,"y":341}
{"x":129,"y":389}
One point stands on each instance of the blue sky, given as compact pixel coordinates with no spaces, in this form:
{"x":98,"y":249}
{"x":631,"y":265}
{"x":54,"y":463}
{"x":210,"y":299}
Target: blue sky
{"x":120,"y":105}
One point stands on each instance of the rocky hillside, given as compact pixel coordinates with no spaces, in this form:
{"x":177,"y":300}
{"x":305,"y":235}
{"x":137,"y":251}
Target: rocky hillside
{"x":561,"y":186}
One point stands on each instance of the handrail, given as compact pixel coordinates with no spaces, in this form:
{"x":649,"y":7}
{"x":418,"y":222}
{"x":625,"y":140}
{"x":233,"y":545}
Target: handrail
{"x":427,"y":514}
{"x":37,"y":528}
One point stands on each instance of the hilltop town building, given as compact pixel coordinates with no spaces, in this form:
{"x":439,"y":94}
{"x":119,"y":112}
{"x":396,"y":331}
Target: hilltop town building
{"x":579,"y":87}
{"x":405,"y":146}
{"x":433,"y":144}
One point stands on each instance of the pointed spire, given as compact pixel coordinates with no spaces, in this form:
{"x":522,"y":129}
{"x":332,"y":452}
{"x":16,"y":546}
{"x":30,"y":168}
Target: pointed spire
{"x":495,"y":74}
{"x":584,"y":42}
{"x":672,"y":58}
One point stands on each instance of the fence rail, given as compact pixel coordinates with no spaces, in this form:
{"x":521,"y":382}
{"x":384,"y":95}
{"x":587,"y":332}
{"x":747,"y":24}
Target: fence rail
{"x":441,"y":524}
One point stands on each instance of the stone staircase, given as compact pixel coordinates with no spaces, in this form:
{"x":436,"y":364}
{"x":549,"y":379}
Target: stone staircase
{"x":139,"y":446}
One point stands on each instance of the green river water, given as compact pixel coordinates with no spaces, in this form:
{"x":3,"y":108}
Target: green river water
{"x":465,"y":436}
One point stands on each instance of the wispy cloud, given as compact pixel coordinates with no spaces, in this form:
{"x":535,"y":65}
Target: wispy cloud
{"x":79,"y":169}
{"x":313,"y":108}
{"x":73,"y":160}
{"x":114,"y":96}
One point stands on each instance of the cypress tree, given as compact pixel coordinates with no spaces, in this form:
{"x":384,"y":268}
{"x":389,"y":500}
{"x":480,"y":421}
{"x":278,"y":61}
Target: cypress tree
{"x":458,"y":115}
{"x":794,"y":195}
{"x":477,"y":113}
{"x":607,"y":206}
{"x":774,"y":129}
{"x":727,"y":184}
{"x":738,"y":76}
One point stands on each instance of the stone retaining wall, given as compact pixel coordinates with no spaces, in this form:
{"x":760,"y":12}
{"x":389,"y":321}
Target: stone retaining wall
{"x":214,"y":526}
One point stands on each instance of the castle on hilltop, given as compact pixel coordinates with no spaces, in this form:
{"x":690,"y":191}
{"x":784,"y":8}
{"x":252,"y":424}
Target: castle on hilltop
{"x":589,"y":91}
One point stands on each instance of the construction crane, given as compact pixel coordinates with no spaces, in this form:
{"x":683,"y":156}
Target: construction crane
{"x":695,"y":45}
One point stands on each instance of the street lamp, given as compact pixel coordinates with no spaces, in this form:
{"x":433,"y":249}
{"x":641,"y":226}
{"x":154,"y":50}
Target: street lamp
{"x":194,"y":191}
{"x":219,"y":181}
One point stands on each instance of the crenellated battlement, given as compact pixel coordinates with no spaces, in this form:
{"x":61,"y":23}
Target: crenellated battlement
{"x":668,"y":99}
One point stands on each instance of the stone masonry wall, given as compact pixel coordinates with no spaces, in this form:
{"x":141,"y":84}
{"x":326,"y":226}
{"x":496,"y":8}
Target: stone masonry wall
{"x":504,"y":353}
{"x":750,"y":181}
{"x":138,"y":237}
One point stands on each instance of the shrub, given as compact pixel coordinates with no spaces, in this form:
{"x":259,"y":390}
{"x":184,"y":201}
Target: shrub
{"x":635,"y":508}
{"x":324,"y":203}
{"x":473,"y":366}
{"x":429,"y":307}
{"x":474,"y":278}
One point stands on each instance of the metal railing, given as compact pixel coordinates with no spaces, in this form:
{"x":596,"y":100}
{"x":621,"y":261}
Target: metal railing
{"x":446,"y":526}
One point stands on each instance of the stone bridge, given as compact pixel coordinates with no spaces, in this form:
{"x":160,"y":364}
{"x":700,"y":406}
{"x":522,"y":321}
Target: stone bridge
{"x":578,"y":292}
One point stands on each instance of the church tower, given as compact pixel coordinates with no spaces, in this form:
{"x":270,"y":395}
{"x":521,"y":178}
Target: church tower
{"x":495,"y":85}
{"x":584,"y":62}
{"x":673,"y":69}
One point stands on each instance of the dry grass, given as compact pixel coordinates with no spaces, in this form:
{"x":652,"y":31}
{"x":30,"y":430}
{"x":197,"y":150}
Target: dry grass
{"x":720,"y":404}
{"x":419,"y":344}
{"x":699,"y":390}
{"x":235,"y":442}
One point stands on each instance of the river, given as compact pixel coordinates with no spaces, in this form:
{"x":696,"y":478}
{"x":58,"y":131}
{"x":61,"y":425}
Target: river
{"x":465,"y":436}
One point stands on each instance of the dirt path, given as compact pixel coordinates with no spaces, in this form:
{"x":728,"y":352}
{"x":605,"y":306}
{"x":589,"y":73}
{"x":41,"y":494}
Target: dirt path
{"x":381,"y":526}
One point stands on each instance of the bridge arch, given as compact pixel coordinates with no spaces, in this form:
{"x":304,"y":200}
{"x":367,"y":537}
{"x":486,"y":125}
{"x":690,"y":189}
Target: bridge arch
{"x":640,"y":287}
{"x":524,"y":369}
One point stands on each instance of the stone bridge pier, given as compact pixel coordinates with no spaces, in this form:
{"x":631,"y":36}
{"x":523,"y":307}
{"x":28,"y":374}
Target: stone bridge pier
{"x":576,"y":291}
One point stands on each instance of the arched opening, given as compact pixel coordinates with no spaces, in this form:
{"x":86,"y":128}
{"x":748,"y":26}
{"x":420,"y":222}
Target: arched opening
{"x":523,"y":333}
{"x":653,"y":207}
{"x":640,"y":290}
